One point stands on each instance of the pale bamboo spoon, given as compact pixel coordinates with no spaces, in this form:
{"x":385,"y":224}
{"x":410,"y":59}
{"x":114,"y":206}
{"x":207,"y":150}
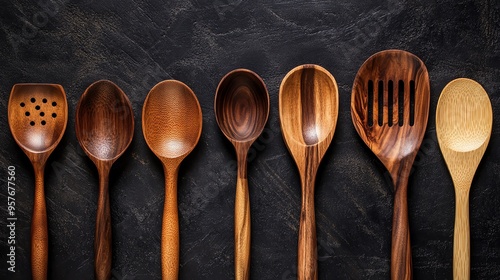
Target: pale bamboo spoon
{"x":171,"y":124}
{"x":104,"y":128}
{"x":308,"y":107}
{"x":389,"y":109}
{"x":464,"y":120}
{"x":38,"y":114}
{"x":241,"y":110}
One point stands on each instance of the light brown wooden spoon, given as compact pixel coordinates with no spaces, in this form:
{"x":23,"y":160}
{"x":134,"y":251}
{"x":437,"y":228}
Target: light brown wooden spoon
{"x":104,"y":128}
{"x":38,"y":114}
{"x":241,"y":109}
{"x":308,"y":107}
{"x":389,"y":109}
{"x":171,"y":124}
{"x":464,"y":120}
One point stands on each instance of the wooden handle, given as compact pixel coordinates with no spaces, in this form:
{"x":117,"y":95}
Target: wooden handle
{"x":242,"y":229}
{"x":401,"y":266}
{"x":170,"y":228}
{"x":307,"y":252}
{"x":39,"y":233}
{"x":102,"y":241}
{"x":461,"y":242}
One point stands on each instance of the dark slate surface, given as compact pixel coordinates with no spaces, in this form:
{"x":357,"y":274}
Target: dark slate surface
{"x":139,"y":43}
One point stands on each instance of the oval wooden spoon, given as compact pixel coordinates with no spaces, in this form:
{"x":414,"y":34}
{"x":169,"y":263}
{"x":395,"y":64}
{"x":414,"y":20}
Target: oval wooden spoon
{"x":171,"y":123}
{"x":241,"y":110}
{"x":389,"y":109}
{"x":308,"y":107}
{"x":38,"y":114}
{"x":464,"y":120}
{"x":104,"y":128}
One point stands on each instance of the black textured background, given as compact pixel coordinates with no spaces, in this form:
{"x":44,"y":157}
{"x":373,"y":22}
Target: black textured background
{"x":137,"y":43}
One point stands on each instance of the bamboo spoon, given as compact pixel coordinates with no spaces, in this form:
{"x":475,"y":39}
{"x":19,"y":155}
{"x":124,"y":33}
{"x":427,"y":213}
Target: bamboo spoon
{"x":104,"y":128}
{"x":308,"y":107}
{"x":241,"y":111}
{"x":389,"y":109}
{"x":464,"y":121}
{"x":38,"y":114}
{"x":171,"y":123}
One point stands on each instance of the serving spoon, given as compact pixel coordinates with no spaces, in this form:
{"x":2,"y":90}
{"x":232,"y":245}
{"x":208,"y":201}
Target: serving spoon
{"x":389,"y":109}
{"x":104,"y":128}
{"x":38,"y":114}
{"x":241,"y":109}
{"x":171,"y":124}
{"x":464,"y":121}
{"x":308,"y":108}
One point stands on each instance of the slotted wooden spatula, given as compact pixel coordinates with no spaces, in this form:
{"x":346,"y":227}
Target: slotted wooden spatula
{"x":389,"y":109}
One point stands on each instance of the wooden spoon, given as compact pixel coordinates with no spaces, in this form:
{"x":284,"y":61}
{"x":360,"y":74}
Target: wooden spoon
{"x":308,"y":107}
{"x":104,"y":128}
{"x":241,"y":111}
{"x":464,"y":121}
{"x":389,"y":109}
{"x":38,"y":114}
{"x":171,"y":123}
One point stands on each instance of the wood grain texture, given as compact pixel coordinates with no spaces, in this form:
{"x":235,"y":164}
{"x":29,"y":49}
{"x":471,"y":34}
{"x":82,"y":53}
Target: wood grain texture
{"x":393,"y":128}
{"x":104,"y":125}
{"x":38,"y":114}
{"x":171,"y":124}
{"x":241,"y":109}
{"x":308,"y":108}
{"x":464,"y":121}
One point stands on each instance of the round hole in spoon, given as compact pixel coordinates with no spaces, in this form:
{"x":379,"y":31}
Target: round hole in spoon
{"x":241,"y":105}
{"x":171,"y":119}
{"x":104,"y":121}
{"x":462,"y":115}
{"x":309,"y":92}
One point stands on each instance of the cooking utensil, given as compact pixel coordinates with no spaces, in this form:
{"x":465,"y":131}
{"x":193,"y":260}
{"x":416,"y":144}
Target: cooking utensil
{"x":389,"y":109}
{"x":241,"y":110}
{"x":38,"y":114}
{"x":171,"y":123}
{"x":308,"y":108}
{"x":104,"y":128}
{"x":464,"y":121}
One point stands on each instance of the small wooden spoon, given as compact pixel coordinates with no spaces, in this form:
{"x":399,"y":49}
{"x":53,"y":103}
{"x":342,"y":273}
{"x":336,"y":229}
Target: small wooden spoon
{"x":104,"y":128}
{"x":38,"y":114}
{"x":241,"y":110}
{"x":308,"y":107}
{"x":171,"y":123}
{"x":464,"y":120}
{"x":389,"y":109}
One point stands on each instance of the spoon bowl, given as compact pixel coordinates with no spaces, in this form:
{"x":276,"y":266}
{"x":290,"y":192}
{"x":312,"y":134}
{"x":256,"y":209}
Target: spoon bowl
{"x":38,"y":114}
{"x":308,"y":108}
{"x":241,"y":110}
{"x":464,"y":120}
{"x":171,"y":124}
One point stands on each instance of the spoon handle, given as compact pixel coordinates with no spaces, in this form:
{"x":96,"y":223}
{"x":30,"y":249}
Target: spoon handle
{"x":102,"y":242}
{"x":401,"y":265}
{"x":39,"y":233}
{"x":461,"y":242}
{"x":170,"y":227}
{"x":242,"y":225}
{"x":307,"y":250}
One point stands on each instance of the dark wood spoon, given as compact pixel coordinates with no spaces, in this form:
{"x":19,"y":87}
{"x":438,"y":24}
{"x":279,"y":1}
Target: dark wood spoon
{"x":38,"y":114}
{"x":241,"y":110}
{"x":389,"y":109}
{"x":104,"y":128}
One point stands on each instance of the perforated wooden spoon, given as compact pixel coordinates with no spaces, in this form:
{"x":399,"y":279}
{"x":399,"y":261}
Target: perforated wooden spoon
{"x":308,"y":107}
{"x":104,"y":128}
{"x":464,"y":121}
{"x":389,"y":109}
{"x":171,"y":123}
{"x":38,"y":114}
{"x":241,"y":109}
